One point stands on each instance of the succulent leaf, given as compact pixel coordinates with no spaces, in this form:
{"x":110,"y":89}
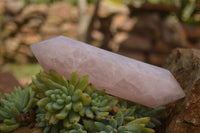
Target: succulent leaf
{"x":113,"y":122}
{"x":74,"y":117}
{"x":85,"y":98}
{"x":62,"y":114}
{"x":8,"y":128}
{"x":119,"y":118}
{"x":44,"y":101}
{"x":99,"y":126}
{"x":144,"y":120}
{"x":82,"y":83}
{"x":74,"y":78}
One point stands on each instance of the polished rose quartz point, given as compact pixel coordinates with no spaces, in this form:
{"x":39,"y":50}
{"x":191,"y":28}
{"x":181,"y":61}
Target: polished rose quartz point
{"x":118,"y":75}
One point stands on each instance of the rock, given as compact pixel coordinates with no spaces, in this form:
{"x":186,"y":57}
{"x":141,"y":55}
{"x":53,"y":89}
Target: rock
{"x":2,"y":50}
{"x":1,"y":54}
{"x":21,"y":58}
{"x":117,"y":40}
{"x":14,"y":6}
{"x":32,"y":11}
{"x":11,"y":28}
{"x":7,"y":18}
{"x":197,"y":44}
{"x":30,"y":38}
{"x":54,"y":20}
{"x":49,"y":29}
{"x":59,"y":12}
{"x":1,"y":60}
{"x":122,"y":22}
{"x":2,"y":7}
{"x":48,"y":36}
{"x":107,"y":8}
{"x":118,"y":75}
{"x":24,"y":49}
{"x":128,"y":25}
{"x":35,"y":22}
{"x":25,"y":28}
{"x":117,"y":22}
{"x":97,"y":25}
{"x":184,"y":115}
{"x":97,"y":35}
{"x":73,"y":15}
{"x":1,"y":21}
{"x":7,"y":82}
{"x":192,"y":32}
{"x":120,"y":37}
{"x":114,"y":47}
{"x":148,"y":25}
{"x":157,"y":59}
{"x":11,"y":45}
{"x":173,"y":33}
{"x":68,"y":28}
{"x":161,"y":47}
{"x":135,"y":55}
{"x":8,"y":28}
{"x":135,"y":42}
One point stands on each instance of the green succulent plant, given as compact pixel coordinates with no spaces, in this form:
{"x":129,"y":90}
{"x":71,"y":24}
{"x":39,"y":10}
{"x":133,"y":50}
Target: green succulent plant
{"x":117,"y":125}
{"x":133,"y":111}
{"x":68,"y":100}
{"x":14,"y":106}
{"x":75,"y":106}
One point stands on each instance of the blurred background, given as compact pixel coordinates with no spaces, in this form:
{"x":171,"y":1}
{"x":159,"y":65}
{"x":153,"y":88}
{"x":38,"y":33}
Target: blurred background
{"x":146,"y":30}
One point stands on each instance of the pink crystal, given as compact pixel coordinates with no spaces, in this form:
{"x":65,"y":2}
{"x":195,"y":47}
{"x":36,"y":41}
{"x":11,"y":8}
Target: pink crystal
{"x":118,"y":75}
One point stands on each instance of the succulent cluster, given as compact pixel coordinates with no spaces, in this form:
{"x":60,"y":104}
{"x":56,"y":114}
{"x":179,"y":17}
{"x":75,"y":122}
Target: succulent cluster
{"x":74,"y":106}
{"x":14,"y":105}
{"x":68,"y":101}
{"x":117,"y":125}
{"x":134,"y":111}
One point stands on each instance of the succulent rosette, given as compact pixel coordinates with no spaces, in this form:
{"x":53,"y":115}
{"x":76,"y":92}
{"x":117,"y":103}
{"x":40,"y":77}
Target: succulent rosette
{"x":68,"y":101}
{"x":74,"y":106}
{"x":16,"y":108}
